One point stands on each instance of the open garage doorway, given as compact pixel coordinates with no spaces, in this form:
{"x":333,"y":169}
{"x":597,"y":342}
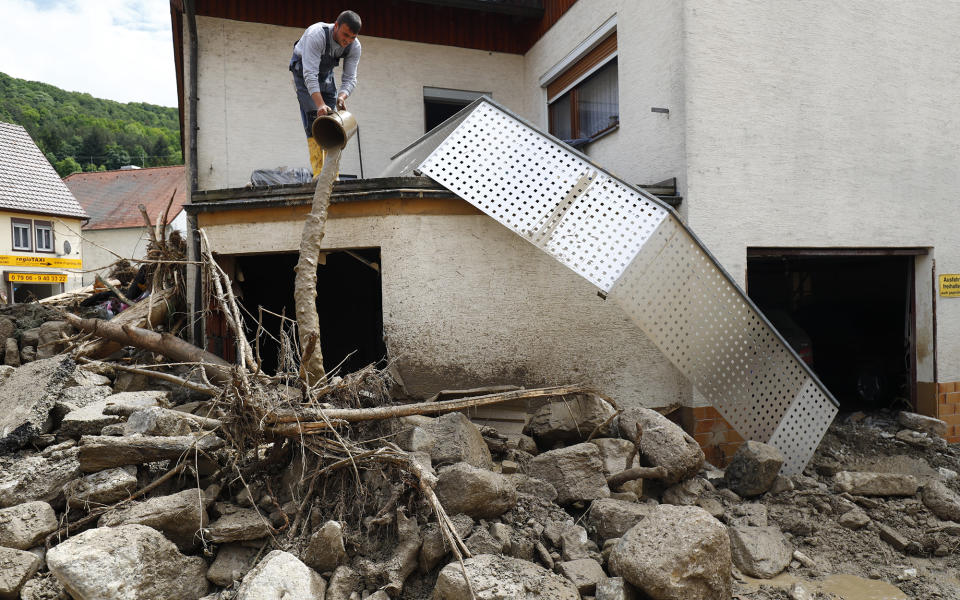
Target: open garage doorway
{"x":349,"y":304}
{"x":850,"y":314}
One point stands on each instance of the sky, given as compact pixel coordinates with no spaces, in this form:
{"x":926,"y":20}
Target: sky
{"x":116,"y":49}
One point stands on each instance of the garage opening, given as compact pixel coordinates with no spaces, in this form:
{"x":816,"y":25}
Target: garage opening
{"x":849,"y":314}
{"x":349,"y":304}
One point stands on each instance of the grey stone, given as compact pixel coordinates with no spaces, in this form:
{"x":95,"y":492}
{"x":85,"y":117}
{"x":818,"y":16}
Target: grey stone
{"x":50,"y":339}
{"x":130,"y":562}
{"x":344,"y":582}
{"x":574,"y":542}
{"x":482,"y":494}
{"x":941,"y":500}
{"x":282,"y":575}
{"x":922,"y":423}
{"x":43,"y":586}
{"x":676,"y":553}
{"x":571,"y":420}
{"x":102,"y":488}
{"x":11,"y":353}
{"x":614,"y":453}
{"x":503,"y":533}
{"x":26,"y":399}
{"x":449,"y":439}
{"x":28,"y":355}
{"x":533,"y":486}
{"x":615,"y":588}
{"x":585,"y":573}
{"x":99,"y":452}
{"x":26,"y":525}
{"x":575,"y":471}
{"x":434,"y":547}
{"x":527,"y":444}
{"x":7,"y":328}
{"x":325,"y":551}
{"x":30,"y":337}
{"x":16,"y":567}
{"x":243,"y":524}
{"x":6,"y":371}
{"x":892,"y":537}
{"x":854,"y":519}
{"x":753,"y":469}
{"x":39,"y":478}
{"x":914,"y":438}
{"x":748,"y":514}
{"x":499,"y":578}
{"x":875,"y":484}
{"x":156,"y":420}
{"x":178,"y":516}
{"x":781,"y":484}
{"x":90,"y":419}
{"x":611,"y":518}
{"x":687,"y":492}
{"x":83,"y":376}
{"x":483,"y":542}
{"x":232,"y":563}
{"x":663,"y":443}
{"x":79,"y":396}
{"x":760,"y":552}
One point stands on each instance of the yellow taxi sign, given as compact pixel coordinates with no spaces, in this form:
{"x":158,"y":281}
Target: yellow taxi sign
{"x":37,"y":277}
{"x":950,"y":285}
{"x":50,"y":262}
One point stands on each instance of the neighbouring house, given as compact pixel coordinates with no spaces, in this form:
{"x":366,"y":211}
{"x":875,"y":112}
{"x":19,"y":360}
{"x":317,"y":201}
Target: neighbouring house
{"x":814,"y":146}
{"x":112,"y":199}
{"x":40,"y":221}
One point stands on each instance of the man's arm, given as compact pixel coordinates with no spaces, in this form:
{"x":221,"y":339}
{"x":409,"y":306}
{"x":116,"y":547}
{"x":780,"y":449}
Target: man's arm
{"x":349,"y":80}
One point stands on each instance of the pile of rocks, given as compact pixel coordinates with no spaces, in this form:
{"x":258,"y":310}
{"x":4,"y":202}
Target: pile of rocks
{"x":20,"y":346}
{"x":536,"y":512}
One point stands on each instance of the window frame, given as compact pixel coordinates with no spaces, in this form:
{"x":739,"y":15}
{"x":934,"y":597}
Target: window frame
{"x":28,"y":224}
{"x":47,"y":225}
{"x":573,"y":93}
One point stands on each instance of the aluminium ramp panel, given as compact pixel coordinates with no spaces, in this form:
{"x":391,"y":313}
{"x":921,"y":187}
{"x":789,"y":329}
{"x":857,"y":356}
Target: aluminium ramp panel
{"x":635,"y":248}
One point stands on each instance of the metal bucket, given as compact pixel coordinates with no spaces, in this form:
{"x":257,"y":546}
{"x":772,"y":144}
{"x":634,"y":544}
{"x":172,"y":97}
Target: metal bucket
{"x":334,"y":129}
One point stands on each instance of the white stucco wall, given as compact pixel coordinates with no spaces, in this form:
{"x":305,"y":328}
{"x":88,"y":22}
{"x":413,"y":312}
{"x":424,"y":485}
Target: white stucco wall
{"x":648,"y":147}
{"x":102,"y":246}
{"x":248,"y":111}
{"x":467,"y":302}
{"x":827,"y":123}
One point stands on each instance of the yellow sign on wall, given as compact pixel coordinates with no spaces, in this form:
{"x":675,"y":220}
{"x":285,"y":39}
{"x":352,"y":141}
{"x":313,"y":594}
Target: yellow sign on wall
{"x":950,"y":285}
{"x":37,"y":277}
{"x":49,"y":262}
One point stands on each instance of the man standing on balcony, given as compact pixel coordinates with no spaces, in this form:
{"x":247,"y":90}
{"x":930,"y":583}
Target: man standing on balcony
{"x":319,"y":50}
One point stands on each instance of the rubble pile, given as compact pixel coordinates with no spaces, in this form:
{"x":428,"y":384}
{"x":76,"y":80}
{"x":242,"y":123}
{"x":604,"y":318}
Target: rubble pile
{"x":114,"y":485}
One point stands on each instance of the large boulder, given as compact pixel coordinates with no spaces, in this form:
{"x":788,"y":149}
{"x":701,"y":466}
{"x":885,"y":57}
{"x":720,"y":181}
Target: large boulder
{"x":585,"y":573}
{"x":941,"y":500}
{"x":326,"y":551}
{"x":662,"y":443}
{"x":27,"y":397}
{"x":232,"y":563}
{"x":39,"y":478}
{"x":761,"y":552}
{"x":238,"y":526}
{"x":611,"y":518}
{"x":50,"y":340}
{"x":501,"y":578}
{"x":481,"y":494}
{"x":448,"y":439}
{"x":90,"y":419}
{"x":572,"y":420}
{"x":922,"y":423}
{"x":130,"y":562}
{"x":676,"y":553}
{"x":575,"y":471}
{"x":753,"y":469}
{"x":179,"y":516}
{"x":861,"y":483}
{"x":614,"y":453}
{"x":281,"y":575}
{"x":25,"y":525}
{"x":101,"y":488}
{"x":16,"y":567}
{"x":435,"y":546}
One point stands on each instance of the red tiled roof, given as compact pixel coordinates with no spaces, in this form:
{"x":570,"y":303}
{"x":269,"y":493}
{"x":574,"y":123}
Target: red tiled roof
{"x":111,"y":197}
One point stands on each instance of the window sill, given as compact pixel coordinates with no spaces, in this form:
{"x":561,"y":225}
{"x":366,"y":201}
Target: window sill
{"x":582,"y":143}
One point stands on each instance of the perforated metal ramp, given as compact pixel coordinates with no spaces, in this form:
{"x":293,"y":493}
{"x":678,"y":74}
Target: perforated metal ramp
{"x":638,"y":251}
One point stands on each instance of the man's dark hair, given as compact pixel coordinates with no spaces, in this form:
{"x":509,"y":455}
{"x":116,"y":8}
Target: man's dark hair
{"x":350,"y":19}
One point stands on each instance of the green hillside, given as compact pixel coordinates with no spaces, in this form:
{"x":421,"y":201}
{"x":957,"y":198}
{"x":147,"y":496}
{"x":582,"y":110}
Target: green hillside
{"x":79,"y":132}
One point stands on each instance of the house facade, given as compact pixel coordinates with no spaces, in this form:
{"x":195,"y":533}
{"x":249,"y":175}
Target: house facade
{"x":116,"y":227}
{"x":40,"y":221}
{"x":814,"y":146}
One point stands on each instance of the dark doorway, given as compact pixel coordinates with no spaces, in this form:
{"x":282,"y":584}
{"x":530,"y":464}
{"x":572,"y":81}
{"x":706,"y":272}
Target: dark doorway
{"x":349,"y":304}
{"x":850,"y":316}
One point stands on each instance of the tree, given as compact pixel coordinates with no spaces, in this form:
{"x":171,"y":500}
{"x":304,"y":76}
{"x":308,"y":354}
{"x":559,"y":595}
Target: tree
{"x":67,"y":166}
{"x":116,"y":157}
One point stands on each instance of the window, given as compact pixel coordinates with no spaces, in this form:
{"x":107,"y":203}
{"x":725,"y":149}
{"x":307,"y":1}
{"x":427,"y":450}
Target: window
{"x":439,"y":104}
{"x":583,"y":92}
{"x":21,"y":234}
{"x":44,"y":235}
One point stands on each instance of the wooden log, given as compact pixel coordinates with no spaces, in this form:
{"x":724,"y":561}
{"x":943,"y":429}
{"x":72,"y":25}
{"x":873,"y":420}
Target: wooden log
{"x":618,"y":479}
{"x":137,"y":316}
{"x":99,"y":452}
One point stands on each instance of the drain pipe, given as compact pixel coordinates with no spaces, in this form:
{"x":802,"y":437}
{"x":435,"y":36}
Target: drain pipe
{"x":193,"y":171}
